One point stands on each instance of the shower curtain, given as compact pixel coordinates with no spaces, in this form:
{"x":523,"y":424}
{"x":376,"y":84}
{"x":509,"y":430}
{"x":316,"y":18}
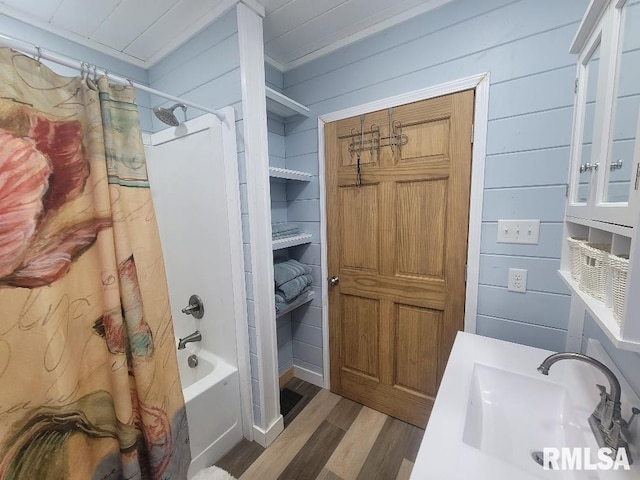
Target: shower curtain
{"x":89,"y":384}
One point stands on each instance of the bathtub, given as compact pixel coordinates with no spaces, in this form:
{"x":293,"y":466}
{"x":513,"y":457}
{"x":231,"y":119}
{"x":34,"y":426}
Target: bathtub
{"x":212,"y":398}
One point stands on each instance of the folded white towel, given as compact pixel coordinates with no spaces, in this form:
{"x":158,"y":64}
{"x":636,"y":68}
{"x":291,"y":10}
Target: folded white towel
{"x":213,"y":473}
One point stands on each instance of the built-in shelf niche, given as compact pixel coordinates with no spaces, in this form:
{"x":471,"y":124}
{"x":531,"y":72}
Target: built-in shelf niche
{"x":286,"y":175}
{"x":619,"y":238}
{"x":301,"y":300}
{"x":302,"y":239}
{"x":284,"y":106}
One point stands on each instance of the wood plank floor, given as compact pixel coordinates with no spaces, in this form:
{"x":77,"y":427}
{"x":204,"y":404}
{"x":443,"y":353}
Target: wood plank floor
{"x":328,"y":437}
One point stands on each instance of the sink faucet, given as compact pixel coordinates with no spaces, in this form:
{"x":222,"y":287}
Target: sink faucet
{"x":194,"y":337}
{"x":606,"y":421}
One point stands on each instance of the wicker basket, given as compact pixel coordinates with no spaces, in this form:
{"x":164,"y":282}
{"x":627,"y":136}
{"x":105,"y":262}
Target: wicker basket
{"x":576,"y":256}
{"x":619,"y":268}
{"x":593,"y":274}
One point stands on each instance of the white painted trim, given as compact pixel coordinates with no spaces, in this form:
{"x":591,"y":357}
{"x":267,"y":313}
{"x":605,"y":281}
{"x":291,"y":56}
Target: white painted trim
{"x":466,"y":83}
{"x":264,"y":438}
{"x":203,"y":22}
{"x":478,"y":159}
{"x":257,"y":8}
{"x":254,"y":112}
{"x":591,"y":18}
{"x":367,"y":32}
{"x":324,"y":255}
{"x":238,"y":279}
{"x":481,"y":84}
{"x":308,"y":376}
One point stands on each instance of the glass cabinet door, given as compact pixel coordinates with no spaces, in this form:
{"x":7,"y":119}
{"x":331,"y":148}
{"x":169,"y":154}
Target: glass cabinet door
{"x":625,"y":107}
{"x":584,"y":162}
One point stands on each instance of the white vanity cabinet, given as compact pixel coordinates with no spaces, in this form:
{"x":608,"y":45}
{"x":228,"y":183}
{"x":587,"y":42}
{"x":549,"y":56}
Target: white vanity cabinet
{"x":603,"y":176}
{"x":603,"y":196}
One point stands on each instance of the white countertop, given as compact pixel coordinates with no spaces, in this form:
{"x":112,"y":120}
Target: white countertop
{"x":444,"y":455}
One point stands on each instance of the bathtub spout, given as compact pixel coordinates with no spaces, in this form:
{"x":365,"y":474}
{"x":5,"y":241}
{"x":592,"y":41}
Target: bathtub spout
{"x":194,"y":337}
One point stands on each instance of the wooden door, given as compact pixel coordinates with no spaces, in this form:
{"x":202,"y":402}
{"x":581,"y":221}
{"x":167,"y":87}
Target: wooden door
{"x":397,"y":241}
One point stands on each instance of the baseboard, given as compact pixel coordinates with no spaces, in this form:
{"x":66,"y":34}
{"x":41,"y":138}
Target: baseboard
{"x":285,"y":377}
{"x":308,"y":376}
{"x":266,"y":437}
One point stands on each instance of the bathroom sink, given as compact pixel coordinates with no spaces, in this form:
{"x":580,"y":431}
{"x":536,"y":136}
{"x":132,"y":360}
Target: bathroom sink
{"x":512,"y":417}
{"x":494,"y":412}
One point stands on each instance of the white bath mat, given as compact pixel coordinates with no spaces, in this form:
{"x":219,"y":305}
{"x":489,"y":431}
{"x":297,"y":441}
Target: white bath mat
{"x":213,"y":473}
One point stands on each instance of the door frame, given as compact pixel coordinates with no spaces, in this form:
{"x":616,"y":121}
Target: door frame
{"x":481,"y":84}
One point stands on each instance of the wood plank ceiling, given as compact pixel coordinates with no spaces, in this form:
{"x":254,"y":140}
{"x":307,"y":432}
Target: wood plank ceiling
{"x":145,"y":31}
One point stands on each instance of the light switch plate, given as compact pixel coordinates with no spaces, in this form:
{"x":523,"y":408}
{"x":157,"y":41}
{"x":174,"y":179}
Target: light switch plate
{"x":519,"y":231}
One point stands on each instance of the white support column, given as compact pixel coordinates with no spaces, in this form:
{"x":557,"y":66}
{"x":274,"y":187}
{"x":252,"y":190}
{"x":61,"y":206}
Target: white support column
{"x":259,"y":205}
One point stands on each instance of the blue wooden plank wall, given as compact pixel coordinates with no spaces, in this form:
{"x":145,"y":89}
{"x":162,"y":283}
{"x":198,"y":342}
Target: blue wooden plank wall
{"x":54,"y":43}
{"x":273,"y":77}
{"x":205,"y":70}
{"x":524,"y":45}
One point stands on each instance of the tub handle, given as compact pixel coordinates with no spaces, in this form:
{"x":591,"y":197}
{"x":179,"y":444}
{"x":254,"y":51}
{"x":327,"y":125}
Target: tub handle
{"x":195,"y":307}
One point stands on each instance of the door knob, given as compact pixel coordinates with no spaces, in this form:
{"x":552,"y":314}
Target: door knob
{"x":333,"y":281}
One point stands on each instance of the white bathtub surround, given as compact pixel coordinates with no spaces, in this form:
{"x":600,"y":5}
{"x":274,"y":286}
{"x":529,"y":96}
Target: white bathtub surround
{"x":194,"y":184}
{"x":213,"y":473}
{"x":211,"y":397}
{"x":494,"y":409}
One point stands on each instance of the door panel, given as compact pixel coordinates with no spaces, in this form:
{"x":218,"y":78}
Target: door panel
{"x":397,"y":239}
{"x":359,"y":227}
{"x":417,"y":337}
{"x":360,"y":335}
{"x":420,"y":228}
{"x":425,"y":139}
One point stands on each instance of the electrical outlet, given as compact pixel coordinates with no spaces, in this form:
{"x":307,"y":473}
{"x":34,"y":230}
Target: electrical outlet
{"x":517,"y":280}
{"x":519,"y":231}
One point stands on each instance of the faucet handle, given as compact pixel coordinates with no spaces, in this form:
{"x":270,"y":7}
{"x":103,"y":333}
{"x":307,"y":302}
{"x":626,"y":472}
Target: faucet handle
{"x":634,"y":412}
{"x":604,"y":398}
{"x":195,"y":307}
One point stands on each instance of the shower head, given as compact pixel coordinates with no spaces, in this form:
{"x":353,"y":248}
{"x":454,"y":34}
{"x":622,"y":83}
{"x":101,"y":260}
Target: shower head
{"x":167,"y":116}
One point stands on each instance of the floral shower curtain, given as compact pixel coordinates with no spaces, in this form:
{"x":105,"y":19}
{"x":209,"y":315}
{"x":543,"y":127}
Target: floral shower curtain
{"x":89,"y":384}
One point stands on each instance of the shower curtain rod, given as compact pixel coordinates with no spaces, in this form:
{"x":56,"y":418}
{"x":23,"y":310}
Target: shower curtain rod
{"x":39,"y":54}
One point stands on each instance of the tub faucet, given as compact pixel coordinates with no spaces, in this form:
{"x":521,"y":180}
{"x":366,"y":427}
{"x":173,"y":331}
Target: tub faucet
{"x":606,"y":421}
{"x":194,"y":337}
